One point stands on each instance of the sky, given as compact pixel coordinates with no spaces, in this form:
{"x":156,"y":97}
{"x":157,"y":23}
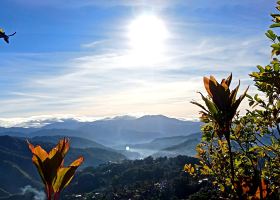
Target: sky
{"x":100,"y":58}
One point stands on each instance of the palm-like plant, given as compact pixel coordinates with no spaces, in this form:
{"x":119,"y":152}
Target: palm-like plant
{"x":221,"y":104}
{"x":221,"y":107}
{"x":50,"y":167}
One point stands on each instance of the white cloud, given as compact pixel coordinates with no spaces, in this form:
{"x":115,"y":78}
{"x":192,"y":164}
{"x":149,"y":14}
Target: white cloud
{"x":93,"y":44}
{"x":109,"y":80}
{"x":105,"y":84}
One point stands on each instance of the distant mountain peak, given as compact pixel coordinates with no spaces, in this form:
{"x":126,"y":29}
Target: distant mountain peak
{"x":41,"y":120}
{"x":122,"y":117}
{"x":155,"y":116}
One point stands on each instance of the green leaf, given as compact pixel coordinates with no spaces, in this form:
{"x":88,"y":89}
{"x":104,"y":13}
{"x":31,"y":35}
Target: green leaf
{"x":268,"y":67}
{"x":276,"y":68}
{"x":249,"y":96}
{"x":198,"y":104}
{"x":275,"y":46}
{"x":275,"y":25}
{"x":210,"y":105}
{"x":251,"y":103}
{"x":278,"y":104}
{"x":260,"y":68}
{"x":270,"y":34}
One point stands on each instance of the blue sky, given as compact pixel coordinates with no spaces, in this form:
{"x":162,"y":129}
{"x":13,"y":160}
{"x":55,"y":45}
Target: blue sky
{"x":76,"y":57}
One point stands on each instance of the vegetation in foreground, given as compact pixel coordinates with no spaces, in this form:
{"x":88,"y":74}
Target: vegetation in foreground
{"x":50,"y":166}
{"x":241,"y":154}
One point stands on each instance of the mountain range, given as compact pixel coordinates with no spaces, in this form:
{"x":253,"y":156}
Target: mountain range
{"x":166,"y":146}
{"x":100,"y":142}
{"x":112,"y":131}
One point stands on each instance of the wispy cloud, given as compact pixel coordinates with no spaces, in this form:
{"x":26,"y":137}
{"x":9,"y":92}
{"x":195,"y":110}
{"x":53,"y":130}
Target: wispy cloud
{"x":102,"y":77}
{"x":105,"y":84}
{"x":93,"y":44}
{"x":37,"y":195}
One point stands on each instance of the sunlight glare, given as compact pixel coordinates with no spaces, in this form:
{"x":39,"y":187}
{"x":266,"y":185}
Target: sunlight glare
{"x":147,"y":35}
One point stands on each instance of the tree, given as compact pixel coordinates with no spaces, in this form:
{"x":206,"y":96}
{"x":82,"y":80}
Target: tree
{"x":241,"y":154}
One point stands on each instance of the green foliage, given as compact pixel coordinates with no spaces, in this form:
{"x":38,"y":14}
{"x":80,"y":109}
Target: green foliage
{"x":161,"y":178}
{"x":215,"y":151}
{"x":241,"y":154}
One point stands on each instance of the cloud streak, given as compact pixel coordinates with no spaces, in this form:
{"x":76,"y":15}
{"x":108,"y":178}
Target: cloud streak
{"x":103,"y":78}
{"x":103,"y":84}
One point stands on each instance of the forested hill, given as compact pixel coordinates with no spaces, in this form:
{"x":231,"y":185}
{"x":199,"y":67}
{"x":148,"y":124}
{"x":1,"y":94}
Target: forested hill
{"x":147,"y":179}
{"x":17,"y":170}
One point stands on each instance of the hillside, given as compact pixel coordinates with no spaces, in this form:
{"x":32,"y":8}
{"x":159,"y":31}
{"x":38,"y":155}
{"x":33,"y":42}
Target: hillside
{"x":147,"y":179}
{"x":185,"y":148}
{"x":165,"y":142}
{"x":166,"y":146}
{"x":82,"y":143}
{"x":16,"y":164}
{"x":76,"y":142}
{"x":17,"y":170}
{"x":143,"y":129}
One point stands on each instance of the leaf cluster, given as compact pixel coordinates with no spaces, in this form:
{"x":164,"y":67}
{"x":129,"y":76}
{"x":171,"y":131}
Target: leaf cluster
{"x":241,"y":154}
{"x":50,"y":167}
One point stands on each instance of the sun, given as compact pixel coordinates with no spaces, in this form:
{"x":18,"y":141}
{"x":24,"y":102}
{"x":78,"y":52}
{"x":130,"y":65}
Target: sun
{"x":147,"y":35}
